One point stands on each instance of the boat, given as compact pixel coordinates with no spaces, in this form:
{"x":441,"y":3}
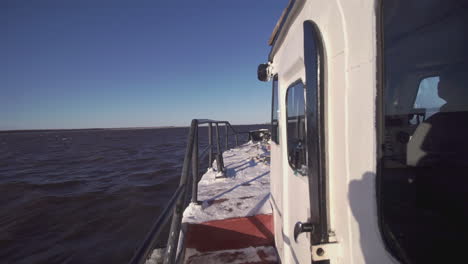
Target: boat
{"x":367,"y":154}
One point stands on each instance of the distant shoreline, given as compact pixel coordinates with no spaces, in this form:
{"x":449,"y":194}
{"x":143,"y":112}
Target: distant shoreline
{"x":82,"y":129}
{"x":99,"y":129}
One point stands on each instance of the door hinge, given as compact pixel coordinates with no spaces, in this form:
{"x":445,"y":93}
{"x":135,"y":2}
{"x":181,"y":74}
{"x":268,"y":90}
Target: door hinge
{"x":330,"y":251}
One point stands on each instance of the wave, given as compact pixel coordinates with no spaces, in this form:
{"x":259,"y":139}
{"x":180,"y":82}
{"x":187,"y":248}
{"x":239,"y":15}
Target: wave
{"x":98,"y":189}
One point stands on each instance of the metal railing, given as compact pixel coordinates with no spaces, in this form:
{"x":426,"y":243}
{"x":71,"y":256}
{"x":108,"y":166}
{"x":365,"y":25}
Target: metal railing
{"x":179,"y":199}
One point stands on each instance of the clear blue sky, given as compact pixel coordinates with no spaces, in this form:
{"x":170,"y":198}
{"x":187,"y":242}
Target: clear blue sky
{"x":110,"y":63}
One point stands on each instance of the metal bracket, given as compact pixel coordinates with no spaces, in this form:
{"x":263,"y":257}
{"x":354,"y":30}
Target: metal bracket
{"x":329,"y":251}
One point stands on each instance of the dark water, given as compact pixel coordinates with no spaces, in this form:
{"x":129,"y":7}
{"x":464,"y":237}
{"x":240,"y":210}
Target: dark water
{"x":85,"y":196}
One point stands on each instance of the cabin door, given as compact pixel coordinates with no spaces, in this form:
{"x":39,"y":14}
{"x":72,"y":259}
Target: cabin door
{"x":305,"y":198}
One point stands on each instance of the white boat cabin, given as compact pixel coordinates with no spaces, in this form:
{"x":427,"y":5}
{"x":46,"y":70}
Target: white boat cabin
{"x":369,"y":146}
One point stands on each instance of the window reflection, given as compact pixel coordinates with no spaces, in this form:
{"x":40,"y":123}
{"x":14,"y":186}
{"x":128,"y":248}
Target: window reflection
{"x":274,"y":112}
{"x":296,"y":128}
{"x":425,"y":150}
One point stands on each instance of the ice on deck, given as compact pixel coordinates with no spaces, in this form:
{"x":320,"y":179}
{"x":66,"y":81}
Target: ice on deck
{"x":244,"y":191}
{"x":264,"y":255}
{"x":233,"y":223}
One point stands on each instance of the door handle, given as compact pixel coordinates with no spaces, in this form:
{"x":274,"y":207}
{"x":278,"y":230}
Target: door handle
{"x":300,"y":227}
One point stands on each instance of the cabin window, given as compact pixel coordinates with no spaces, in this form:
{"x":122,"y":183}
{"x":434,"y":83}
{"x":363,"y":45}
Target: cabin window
{"x":423,"y":171}
{"x":427,"y":100}
{"x":274,"y":111}
{"x":295,"y":104}
{"x":428,"y":96}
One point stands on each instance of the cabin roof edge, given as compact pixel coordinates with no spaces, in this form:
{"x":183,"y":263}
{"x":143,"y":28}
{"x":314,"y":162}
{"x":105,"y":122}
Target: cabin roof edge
{"x":282,"y":26}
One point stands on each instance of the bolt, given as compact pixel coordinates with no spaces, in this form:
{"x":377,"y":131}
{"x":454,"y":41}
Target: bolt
{"x":320,"y":252}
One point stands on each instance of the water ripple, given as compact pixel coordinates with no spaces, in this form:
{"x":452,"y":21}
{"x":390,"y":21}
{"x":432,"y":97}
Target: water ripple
{"x":86,"y":196}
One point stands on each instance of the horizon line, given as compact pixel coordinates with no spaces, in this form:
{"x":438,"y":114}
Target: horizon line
{"x":106,"y":128}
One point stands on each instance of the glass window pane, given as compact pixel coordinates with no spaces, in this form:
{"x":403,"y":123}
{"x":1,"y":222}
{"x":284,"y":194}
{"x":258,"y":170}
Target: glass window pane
{"x":274,"y":112}
{"x":427,"y":96}
{"x":296,"y":128}
{"x":427,"y":101}
{"x":424,"y":176}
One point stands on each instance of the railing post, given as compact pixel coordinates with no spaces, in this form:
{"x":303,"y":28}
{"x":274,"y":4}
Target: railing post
{"x":210,"y":143}
{"x":218,"y":145}
{"x":195,"y":167}
{"x":227,"y":134}
{"x":181,"y":197}
{"x":219,"y":154}
{"x":234,"y":133}
{"x":173,"y":239}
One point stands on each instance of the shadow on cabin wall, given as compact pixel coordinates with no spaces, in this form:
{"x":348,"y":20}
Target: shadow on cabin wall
{"x":419,"y":235}
{"x":359,"y":193}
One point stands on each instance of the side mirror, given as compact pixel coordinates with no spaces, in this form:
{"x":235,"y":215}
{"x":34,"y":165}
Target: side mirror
{"x":263,"y":73}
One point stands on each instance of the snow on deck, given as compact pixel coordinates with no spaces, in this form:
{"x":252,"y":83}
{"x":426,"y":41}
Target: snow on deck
{"x":236,"y":256}
{"x":244,"y":191}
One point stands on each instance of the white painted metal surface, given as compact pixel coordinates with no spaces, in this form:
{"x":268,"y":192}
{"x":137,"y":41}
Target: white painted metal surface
{"x":277,"y":201}
{"x":330,"y":252}
{"x":348,"y":29}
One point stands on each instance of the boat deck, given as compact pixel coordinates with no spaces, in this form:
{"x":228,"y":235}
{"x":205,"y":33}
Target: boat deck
{"x":233,"y":222}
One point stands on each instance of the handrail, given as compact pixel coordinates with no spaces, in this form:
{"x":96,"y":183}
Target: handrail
{"x":177,"y":203}
{"x":150,"y":240}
